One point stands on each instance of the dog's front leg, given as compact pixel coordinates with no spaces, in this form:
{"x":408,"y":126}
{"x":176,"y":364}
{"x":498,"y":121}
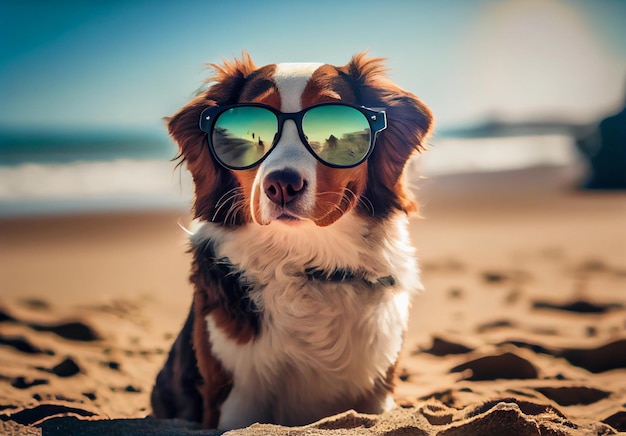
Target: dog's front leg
{"x":242,"y":408}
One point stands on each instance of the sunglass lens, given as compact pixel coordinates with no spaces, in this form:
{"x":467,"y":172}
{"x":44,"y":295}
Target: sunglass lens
{"x":339,"y":135}
{"x":242,"y":136}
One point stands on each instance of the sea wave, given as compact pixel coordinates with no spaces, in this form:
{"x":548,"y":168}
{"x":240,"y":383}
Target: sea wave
{"x":30,"y":188}
{"x":126,"y":184}
{"x":469,"y":155}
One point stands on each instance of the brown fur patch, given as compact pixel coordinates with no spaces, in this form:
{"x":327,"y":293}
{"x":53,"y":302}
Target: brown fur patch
{"x":218,"y":192}
{"x":220,"y":294}
{"x":338,"y":190}
{"x":408,"y":123}
{"x":327,"y":84}
{"x":245,"y":178}
{"x":217,"y":382}
{"x":192,"y":384}
{"x":260,"y":88}
{"x":362,"y":81}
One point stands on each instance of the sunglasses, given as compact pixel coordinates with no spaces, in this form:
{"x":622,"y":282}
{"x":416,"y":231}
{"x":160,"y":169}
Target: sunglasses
{"x":339,"y":135}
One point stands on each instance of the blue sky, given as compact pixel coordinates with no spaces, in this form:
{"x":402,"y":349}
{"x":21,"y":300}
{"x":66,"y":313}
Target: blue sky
{"x":126,"y":64}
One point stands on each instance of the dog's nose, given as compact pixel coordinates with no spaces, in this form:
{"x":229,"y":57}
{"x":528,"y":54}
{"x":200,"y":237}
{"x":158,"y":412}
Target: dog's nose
{"x":283,"y":186}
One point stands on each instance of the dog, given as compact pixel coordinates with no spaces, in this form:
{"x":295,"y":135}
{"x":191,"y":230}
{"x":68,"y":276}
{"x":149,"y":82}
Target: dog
{"x":302,"y":268}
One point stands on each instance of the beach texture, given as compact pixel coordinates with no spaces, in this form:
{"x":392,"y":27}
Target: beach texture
{"x":521,"y":329}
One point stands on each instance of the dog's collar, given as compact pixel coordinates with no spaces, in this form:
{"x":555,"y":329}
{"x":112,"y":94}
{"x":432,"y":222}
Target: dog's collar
{"x":341,"y":275}
{"x":338,"y":275}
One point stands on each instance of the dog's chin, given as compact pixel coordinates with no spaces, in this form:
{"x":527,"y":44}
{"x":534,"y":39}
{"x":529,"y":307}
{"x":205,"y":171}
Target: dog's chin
{"x":297,"y":215}
{"x":289,"y":216}
{"x":289,"y":219}
{"x":282,"y":215}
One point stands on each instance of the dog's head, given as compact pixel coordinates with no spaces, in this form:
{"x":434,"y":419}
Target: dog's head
{"x":290,"y":182}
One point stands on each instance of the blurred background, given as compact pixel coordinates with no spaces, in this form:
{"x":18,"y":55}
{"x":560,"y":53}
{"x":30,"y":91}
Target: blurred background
{"x":90,"y":198}
{"x":84,"y":85}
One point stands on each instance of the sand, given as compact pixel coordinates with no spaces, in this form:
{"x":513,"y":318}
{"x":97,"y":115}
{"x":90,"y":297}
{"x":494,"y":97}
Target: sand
{"x":521,"y":329}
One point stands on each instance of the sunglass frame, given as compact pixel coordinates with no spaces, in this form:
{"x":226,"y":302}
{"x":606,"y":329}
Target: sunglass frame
{"x":376,"y":118}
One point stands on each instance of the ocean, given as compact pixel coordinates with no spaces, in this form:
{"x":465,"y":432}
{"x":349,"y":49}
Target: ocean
{"x":96,"y":172}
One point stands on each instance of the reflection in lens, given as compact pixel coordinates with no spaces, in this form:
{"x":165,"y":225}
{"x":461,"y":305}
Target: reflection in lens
{"x":339,"y":135}
{"x":243,"y":135}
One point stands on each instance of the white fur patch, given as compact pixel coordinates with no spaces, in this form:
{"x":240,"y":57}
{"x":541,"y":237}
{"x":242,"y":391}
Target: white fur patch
{"x":291,"y":79}
{"x":290,"y":153}
{"x":322,"y":343}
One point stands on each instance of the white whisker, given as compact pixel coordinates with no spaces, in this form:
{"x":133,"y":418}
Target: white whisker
{"x":227,"y":197}
{"x":235,"y":208}
{"x":184,"y":228}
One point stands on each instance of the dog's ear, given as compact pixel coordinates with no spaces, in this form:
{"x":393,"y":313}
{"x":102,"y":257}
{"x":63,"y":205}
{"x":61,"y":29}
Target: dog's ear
{"x":408,"y":123}
{"x":212,"y":181}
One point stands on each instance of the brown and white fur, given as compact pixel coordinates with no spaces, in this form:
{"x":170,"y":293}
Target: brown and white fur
{"x":303,"y":273}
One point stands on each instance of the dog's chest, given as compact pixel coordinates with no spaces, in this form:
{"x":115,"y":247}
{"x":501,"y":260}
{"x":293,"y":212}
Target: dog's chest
{"x":311,"y":328}
{"x":325,"y":335}
{"x":327,"y":325}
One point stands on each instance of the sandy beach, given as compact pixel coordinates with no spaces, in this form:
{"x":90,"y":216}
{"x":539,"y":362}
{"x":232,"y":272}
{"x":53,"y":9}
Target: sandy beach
{"x":521,"y":329}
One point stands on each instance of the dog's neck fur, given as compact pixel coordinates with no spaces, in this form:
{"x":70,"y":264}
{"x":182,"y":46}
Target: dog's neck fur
{"x":370,"y":252}
{"x":338,"y":275}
